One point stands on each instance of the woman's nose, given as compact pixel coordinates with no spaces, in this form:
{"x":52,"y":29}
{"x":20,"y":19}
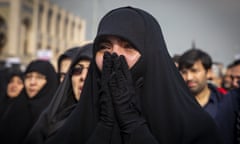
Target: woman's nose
{"x":33,"y":80}
{"x":117,"y":49}
{"x":83,"y":75}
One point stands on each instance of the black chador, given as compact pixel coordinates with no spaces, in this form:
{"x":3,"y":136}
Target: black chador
{"x":61,"y":105}
{"x":147,"y":104}
{"x":21,"y":116}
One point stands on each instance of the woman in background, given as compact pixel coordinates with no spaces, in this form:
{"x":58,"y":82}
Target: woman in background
{"x":65,"y":99}
{"x":13,"y":90}
{"x":40,"y":83}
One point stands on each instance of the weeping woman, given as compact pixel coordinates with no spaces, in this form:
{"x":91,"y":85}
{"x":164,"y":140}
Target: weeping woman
{"x":134,"y":93}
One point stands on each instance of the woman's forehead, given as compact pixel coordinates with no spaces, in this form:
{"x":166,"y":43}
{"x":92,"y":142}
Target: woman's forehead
{"x":111,"y":39}
{"x":83,"y":62}
{"x":114,"y":39}
{"x":34,"y":73}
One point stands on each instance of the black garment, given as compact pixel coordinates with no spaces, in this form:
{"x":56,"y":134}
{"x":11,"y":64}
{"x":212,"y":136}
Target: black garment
{"x":61,"y":105}
{"x":24,"y":112}
{"x":70,"y":53}
{"x":212,"y":107}
{"x":6,"y":100}
{"x":43,"y":98}
{"x":228,"y":115}
{"x":16,"y":122}
{"x":172,"y":114}
{"x":3,"y":82}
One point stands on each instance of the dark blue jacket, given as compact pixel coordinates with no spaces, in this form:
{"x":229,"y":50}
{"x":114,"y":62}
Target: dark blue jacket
{"x":227,"y":117}
{"x":213,"y":104}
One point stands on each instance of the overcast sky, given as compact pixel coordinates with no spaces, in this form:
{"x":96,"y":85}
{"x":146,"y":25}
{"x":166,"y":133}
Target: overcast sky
{"x":212,"y":24}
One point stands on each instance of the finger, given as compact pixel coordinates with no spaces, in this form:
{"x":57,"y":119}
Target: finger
{"x":107,"y":64}
{"x":106,"y":54}
{"x":114,"y":55}
{"x":106,"y":59}
{"x":116,"y":63}
{"x":113,"y":84}
{"x":125,"y":68}
{"x":120,"y":78}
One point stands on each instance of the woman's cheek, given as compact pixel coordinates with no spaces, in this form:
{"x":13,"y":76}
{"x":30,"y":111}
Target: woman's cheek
{"x":99,"y":61}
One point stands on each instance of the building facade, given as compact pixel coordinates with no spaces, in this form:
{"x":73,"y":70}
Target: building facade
{"x":31,"y":29}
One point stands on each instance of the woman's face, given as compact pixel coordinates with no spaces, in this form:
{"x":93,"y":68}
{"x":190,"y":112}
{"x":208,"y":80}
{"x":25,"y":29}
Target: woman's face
{"x":34,"y":82}
{"x":64,"y":66}
{"x":14,"y":86}
{"x":79,"y":74}
{"x":119,"y":46}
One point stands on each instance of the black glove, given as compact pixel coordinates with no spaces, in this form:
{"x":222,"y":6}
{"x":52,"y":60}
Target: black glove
{"x":105,"y":100}
{"x":123,"y":96}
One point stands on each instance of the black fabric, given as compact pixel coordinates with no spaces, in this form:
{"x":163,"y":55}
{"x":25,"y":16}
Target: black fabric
{"x":3,"y":82}
{"x":61,"y":105}
{"x":70,"y":53}
{"x":228,"y":117}
{"x":123,"y":93}
{"x":105,"y":100}
{"x":39,"y":102}
{"x":16,"y":122}
{"x":172,"y":114}
{"x":6,"y":100}
{"x":24,"y":112}
{"x":214,"y":100}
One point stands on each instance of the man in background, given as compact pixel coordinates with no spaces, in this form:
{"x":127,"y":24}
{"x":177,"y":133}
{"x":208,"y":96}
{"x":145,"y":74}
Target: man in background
{"x":195,"y":68}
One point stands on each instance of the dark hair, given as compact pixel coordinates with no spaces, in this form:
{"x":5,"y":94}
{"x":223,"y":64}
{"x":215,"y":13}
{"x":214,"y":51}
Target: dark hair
{"x":176,"y":58}
{"x":230,"y":66}
{"x":236,"y":62}
{"x":188,"y":59}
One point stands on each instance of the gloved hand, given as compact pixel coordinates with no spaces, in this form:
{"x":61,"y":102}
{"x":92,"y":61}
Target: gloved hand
{"x":105,"y":100}
{"x":123,"y":96}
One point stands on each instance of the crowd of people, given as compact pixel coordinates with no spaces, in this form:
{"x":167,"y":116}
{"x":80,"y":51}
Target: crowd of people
{"x":124,"y":88}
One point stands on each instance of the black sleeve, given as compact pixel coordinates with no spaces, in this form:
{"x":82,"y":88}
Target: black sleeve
{"x":141,"y":135}
{"x":101,"y":135}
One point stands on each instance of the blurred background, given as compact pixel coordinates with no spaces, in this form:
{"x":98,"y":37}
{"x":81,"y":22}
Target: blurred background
{"x":44,"y":29}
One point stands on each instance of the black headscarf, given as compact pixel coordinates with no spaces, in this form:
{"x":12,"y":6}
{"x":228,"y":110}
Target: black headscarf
{"x":6,"y":100}
{"x":172,"y":114}
{"x":22,"y":115}
{"x":61,"y":105}
{"x":3,"y":82}
{"x":70,"y":53}
{"x":43,"y":98}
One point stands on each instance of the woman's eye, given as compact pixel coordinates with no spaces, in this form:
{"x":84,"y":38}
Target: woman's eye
{"x":127,"y":45}
{"x":28,"y":76}
{"x":41,"y":77}
{"x":101,"y":47}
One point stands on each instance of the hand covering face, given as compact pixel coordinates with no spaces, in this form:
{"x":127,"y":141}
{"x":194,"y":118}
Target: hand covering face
{"x":106,"y":107}
{"x":124,"y":95}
